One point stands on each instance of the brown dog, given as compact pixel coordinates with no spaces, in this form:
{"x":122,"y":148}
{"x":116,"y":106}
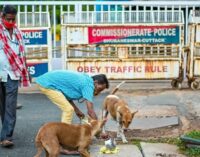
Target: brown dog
{"x":70,"y":136}
{"x":119,"y":111}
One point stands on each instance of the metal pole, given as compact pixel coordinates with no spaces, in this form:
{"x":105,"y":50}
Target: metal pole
{"x":40,"y":15}
{"x":18,"y":19}
{"x":54,"y":30}
{"x":186,"y":24}
{"x":33,"y":13}
{"x":25,"y":13}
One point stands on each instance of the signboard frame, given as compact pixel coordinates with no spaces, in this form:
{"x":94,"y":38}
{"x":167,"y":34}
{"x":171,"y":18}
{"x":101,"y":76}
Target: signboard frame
{"x":37,"y":62}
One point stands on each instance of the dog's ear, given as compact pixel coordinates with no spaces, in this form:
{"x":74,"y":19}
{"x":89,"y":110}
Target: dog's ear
{"x":134,"y":112}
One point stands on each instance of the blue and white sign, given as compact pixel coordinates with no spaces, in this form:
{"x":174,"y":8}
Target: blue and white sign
{"x":35,"y":37}
{"x":37,"y":69}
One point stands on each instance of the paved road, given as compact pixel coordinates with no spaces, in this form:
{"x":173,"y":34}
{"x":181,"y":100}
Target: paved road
{"x":37,"y":110}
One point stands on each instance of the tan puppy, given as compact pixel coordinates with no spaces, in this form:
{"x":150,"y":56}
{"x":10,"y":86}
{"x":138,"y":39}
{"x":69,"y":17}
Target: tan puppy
{"x":70,"y":136}
{"x":119,"y":111}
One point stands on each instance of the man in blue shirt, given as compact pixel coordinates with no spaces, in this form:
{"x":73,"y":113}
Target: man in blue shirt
{"x":62,"y":87}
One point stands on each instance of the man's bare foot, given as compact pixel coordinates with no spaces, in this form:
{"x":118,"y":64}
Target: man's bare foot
{"x":68,"y":152}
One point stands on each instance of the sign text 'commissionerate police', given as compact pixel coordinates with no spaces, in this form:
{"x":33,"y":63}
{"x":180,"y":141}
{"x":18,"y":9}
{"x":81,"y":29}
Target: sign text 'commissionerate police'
{"x":134,"y":34}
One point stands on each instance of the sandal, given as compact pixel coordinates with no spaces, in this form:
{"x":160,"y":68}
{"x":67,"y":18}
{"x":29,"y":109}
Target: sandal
{"x":6,"y":143}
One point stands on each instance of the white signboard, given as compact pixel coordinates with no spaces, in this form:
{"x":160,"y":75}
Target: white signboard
{"x":128,"y":69}
{"x":77,"y":35}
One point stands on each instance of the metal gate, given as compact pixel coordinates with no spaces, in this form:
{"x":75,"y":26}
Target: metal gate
{"x":193,"y":61}
{"x":125,"y":44}
{"x":55,"y":10}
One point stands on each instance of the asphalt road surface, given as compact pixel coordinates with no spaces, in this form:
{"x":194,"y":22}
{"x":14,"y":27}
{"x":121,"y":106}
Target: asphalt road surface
{"x":37,"y":110}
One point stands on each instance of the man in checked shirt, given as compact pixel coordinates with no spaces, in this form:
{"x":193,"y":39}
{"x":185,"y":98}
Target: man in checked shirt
{"x":13,"y":71}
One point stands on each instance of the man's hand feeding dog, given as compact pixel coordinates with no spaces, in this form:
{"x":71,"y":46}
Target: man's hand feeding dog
{"x":119,"y":111}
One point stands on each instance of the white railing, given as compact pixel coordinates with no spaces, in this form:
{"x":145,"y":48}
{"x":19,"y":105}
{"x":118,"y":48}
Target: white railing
{"x":35,"y":19}
{"x":78,"y":6}
{"x":162,"y":51}
{"x":122,"y":17}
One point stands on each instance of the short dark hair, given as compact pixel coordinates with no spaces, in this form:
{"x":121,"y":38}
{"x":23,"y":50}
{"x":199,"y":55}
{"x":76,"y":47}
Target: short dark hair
{"x":102,"y":79}
{"x":9,"y":9}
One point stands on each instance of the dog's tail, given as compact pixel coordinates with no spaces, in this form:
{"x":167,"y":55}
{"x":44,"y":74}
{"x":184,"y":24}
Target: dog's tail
{"x":117,"y":87}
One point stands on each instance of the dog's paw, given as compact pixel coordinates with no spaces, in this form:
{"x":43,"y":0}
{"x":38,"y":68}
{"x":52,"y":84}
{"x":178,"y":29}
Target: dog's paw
{"x":124,"y":141}
{"x":118,"y":135}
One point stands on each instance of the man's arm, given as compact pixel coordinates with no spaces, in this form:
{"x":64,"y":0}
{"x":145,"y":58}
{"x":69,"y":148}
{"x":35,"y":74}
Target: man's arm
{"x":77,"y":111}
{"x":90,"y":109}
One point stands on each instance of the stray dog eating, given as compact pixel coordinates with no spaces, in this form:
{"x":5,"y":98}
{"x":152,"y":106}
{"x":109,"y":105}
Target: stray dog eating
{"x":70,"y":136}
{"x":119,"y":111}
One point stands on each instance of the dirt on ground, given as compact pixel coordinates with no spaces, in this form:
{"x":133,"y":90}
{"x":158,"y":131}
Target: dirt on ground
{"x":165,"y":132}
{"x":187,"y":121}
{"x":158,"y":133}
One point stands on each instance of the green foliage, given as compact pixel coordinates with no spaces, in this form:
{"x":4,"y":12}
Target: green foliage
{"x":91,"y":8}
{"x":137,"y":143}
{"x":58,"y":29}
{"x":174,"y":141}
{"x":193,"y":152}
{"x":194,"y":134}
{"x":190,"y":152}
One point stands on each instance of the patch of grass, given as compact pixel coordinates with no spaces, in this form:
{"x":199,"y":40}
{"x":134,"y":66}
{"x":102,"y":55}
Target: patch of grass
{"x":174,"y":141}
{"x":137,"y":143}
{"x":194,"y":134}
{"x":190,"y":152}
{"x":193,"y":152}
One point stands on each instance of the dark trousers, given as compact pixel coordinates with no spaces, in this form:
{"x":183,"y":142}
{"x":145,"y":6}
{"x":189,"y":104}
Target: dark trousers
{"x":8,"y":102}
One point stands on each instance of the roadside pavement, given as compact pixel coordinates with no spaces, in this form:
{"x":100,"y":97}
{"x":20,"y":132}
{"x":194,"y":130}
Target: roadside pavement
{"x":147,"y":150}
{"x":129,"y":85}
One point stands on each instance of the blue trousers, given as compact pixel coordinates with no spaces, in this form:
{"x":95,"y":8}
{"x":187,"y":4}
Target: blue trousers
{"x":8,"y":103}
